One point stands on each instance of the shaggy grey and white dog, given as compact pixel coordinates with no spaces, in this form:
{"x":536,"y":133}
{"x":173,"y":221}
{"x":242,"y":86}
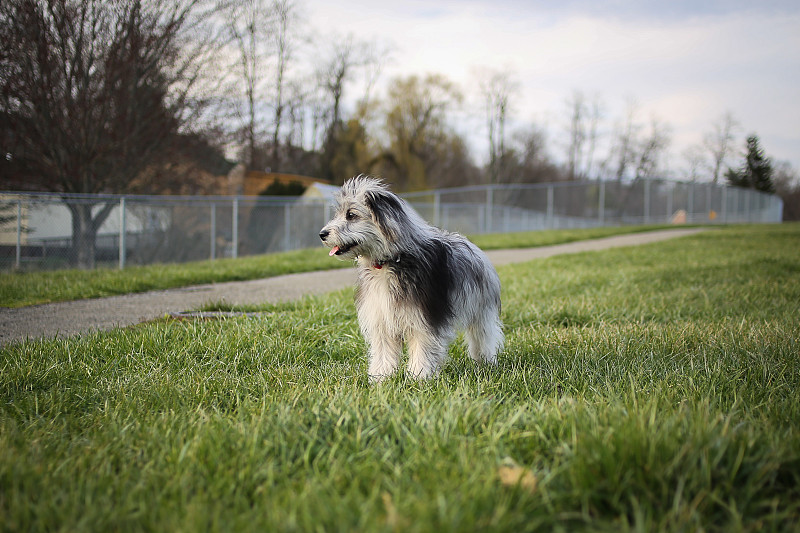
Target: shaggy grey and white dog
{"x":416,"y":283}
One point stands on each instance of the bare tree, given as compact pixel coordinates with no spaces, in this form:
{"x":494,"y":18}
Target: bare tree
{"x":595,"y":111}
{"x":375,"y":60}
{"x":577,"y":132}
{"x":337,"y":69}
{"x":651,"y":149}
{"x":623,"y":151}
{"x":528,"y":158}
{"x":250,"y":25}
{"x":497,"y":87}
{"x":285,"y":13}
{"x":320,"y":117}
{"x":297,"y":103}
{"x":718,"y":143}
{"x":695,"y":160}
{"x":582,"y":133}
{"x":90,"y":93}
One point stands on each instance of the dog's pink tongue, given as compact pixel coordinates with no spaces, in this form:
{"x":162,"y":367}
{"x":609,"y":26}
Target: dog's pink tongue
{"x":333,"y":251}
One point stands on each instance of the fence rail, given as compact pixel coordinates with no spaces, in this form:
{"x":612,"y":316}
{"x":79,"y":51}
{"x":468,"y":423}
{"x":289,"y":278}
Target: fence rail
{"x":36,"y":230}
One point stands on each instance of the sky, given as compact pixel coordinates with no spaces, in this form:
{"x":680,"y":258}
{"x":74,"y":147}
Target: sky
{"x":685,"y":63}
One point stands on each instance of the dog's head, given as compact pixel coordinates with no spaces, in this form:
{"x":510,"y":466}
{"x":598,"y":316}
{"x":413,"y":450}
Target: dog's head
{"x":369,"y":221}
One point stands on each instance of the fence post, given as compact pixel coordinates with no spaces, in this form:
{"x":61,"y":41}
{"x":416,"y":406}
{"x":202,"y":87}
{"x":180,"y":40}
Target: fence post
{"x":670,"y":199}
{"x":287,"y":227}
{"x":550,"y":206}
{"x":437,"y":198}
{"x":19,"y":234}
{"x":690,"y":203}
{"x":646,"y":200}
{"x":122,"y":233}
{"x":747,"y":209}
{"x":489,"y":201}
{"x":601,"y":203}
{"x":235,"y":236}
{"x":213,"y":244}
{"x":724,"y":205}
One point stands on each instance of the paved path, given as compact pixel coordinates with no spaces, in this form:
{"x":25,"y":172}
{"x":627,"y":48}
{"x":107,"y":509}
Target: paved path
{"x":70,"y":318}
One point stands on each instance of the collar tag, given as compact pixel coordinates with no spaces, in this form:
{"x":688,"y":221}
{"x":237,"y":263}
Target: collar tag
{"x":380,"y":264}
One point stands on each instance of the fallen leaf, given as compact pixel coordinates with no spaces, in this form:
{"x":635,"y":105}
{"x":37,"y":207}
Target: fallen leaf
{"x":512,"y":476}
{"x":391,"y":511}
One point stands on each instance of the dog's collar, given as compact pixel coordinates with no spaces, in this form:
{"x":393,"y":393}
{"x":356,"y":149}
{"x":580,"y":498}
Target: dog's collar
{"x":380,"y":264}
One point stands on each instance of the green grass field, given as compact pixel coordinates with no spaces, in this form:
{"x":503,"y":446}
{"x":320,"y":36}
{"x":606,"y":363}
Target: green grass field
{"x":19,"y":289}
{"x":654,"y":388}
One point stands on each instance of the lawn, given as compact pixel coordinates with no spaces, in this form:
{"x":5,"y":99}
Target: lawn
{"x":19,"y":289}
{"x":648,"y":389}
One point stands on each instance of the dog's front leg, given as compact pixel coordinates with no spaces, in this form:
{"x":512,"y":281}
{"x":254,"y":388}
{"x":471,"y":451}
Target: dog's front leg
{"x":426,"y":354}
{"x":384,"y":354}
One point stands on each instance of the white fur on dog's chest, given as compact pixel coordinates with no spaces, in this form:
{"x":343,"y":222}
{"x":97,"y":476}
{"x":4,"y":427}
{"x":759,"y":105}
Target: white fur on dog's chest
{"x":379,"y":303}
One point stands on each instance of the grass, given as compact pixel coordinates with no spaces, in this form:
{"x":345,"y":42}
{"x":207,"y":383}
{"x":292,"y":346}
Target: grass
{"x":19,"y":289}
{"x":533,"y":239}
{"x":641,"y":389}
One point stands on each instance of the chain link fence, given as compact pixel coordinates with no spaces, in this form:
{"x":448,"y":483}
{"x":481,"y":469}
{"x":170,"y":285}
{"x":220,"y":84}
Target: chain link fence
{"x":48,"y":231}
{"x":508,"y":208}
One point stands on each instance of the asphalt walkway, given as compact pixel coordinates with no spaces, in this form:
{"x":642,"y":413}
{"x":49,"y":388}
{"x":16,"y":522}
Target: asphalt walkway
{"x":65,"y":319}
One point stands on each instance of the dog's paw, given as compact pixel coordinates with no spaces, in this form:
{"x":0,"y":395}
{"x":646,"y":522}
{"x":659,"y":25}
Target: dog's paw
{"x":421,"y":372}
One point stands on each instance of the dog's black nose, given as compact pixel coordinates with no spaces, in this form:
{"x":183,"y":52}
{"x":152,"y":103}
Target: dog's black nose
{"x":323,"y":234}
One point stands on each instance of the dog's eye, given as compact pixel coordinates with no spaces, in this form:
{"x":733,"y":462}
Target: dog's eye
{"x":350,"y":215}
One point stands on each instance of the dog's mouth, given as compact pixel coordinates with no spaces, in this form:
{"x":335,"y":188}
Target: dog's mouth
{"x":339,"y":250}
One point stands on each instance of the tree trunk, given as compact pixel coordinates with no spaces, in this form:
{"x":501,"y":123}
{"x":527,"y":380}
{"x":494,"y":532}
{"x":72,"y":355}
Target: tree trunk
{"x":84,"y":231}
{"x":83,"y":239}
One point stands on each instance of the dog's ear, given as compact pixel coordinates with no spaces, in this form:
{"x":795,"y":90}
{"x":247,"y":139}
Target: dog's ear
{"x":387,"y":211}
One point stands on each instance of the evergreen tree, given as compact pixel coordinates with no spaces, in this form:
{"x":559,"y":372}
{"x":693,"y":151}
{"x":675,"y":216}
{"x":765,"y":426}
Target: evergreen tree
{"x":756,"y":172}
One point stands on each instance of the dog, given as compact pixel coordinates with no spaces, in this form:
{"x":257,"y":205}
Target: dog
{"x":416,"y":283}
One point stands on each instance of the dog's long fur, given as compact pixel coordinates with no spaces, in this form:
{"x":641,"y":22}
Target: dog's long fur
{"x":416,"y":283}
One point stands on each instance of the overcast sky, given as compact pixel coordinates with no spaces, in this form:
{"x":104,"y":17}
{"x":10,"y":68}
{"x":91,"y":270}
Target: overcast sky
{"x":684,"y":62}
